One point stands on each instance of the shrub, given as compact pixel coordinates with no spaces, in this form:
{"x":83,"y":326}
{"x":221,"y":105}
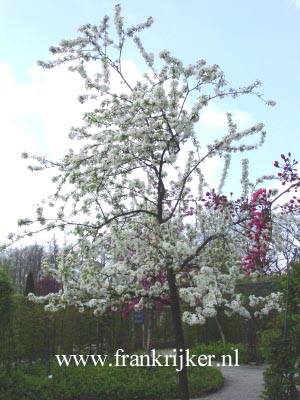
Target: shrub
{"x":219,"y":349}
{"x":7,"y":308}
{"x":104,"y":383}
{"x":281,"y":346}
{"x":282,"y":377}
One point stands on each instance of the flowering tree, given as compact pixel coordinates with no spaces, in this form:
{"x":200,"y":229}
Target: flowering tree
{"x":130,"y":191}
{"x":46,"y":285}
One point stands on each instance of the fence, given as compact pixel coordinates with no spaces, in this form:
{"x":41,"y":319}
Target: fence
{"x":38,"y":335}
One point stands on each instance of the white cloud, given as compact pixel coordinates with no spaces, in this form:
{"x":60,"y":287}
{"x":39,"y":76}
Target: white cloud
{"x":15,"y":179}
{"x":297,"y":3}
{"x":37,"y":117}
{"x":214,"y":122}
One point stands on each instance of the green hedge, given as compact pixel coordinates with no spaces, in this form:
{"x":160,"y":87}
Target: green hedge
{"x":282,"y":378}
{"x":104,"y":383}
{"x":38,"y":334}
{"x":32,"y":335}
{"x":220,"y":349}
{"x":7,"y":320}
{"x":280,"y":345}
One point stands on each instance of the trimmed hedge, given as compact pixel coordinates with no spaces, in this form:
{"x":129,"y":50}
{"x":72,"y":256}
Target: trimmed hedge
{"x":220,"y":349}
{"x":104,"y":383}
{"x":33,"y":335}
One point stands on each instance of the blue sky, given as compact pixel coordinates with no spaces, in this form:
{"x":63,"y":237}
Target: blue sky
{"x":249,"y":39}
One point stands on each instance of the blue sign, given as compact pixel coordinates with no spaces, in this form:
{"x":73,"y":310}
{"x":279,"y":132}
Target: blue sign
{"x":138,"y":317}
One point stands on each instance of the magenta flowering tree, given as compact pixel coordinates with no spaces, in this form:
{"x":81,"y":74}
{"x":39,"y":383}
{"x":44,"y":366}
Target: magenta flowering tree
{"x":259,"y":230}
{"x":46,"y":285}
{"x":262,"y":214}
{"x":129,"y":192}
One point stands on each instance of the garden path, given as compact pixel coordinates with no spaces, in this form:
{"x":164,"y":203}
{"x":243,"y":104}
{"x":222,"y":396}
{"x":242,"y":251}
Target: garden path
{"x":244,"y":382}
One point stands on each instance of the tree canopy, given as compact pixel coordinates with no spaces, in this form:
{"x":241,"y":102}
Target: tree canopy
{"x":136,"y":191}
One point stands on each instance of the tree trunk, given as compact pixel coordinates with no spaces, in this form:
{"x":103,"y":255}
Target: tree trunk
{"x":97,"y":337}
{"x":220,"y":330}
{"x":178,"y":332}
{"x":149,"y":330}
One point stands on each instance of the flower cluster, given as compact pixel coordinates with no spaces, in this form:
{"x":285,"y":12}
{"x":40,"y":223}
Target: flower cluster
{"x":217,"y":201}
{"x":259,"y":231}
{"x":211,"y":291}
{"x":264,"y":305}
{"x":289,"y":177}
{"x":289,"y":173}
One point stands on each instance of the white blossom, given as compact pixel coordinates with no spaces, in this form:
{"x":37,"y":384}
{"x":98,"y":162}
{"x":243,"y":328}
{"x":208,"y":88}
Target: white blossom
{"x":129,"y":198}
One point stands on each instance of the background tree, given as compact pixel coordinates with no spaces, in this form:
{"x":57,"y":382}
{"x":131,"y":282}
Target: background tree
{"x":47,"y":284}
{"x":30,"y":284}
{"x":19,"y":261}
{"x":53,"y":251}
{"x":133,"y":181}
{"x":281,"y":345}
{"x":6,"y":313}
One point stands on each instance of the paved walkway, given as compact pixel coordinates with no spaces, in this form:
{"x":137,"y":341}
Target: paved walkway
{"x":241,"y":383}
